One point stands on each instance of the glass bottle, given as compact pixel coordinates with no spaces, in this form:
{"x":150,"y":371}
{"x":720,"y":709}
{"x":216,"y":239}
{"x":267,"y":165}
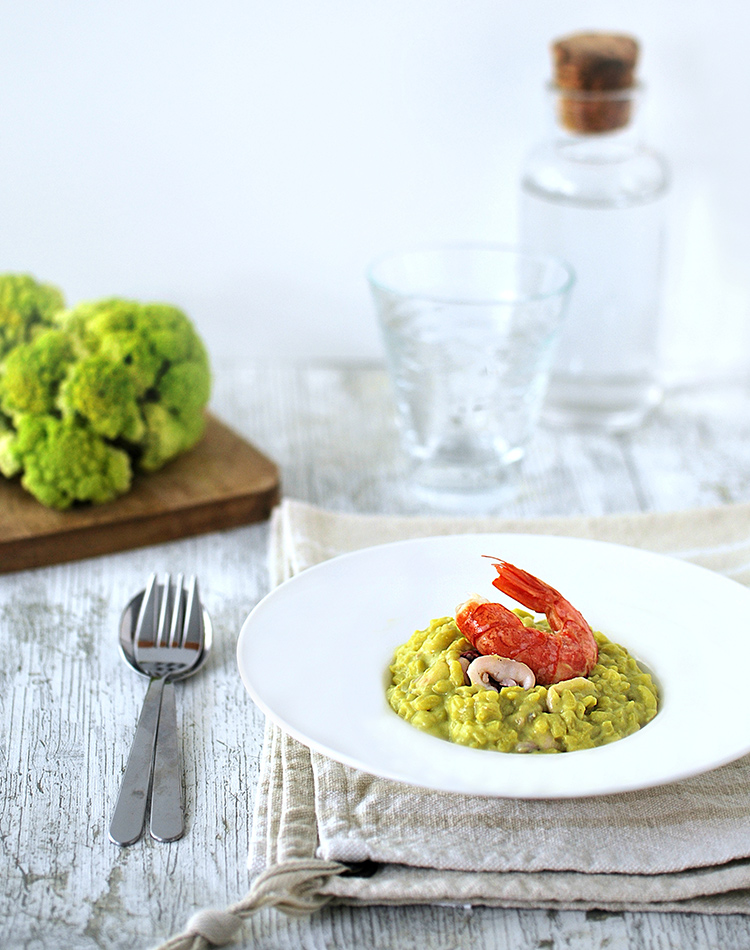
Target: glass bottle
{"x":593,"y":194}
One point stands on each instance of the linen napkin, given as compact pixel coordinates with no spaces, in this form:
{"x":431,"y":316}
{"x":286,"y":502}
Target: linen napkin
{"x":325,"y":832}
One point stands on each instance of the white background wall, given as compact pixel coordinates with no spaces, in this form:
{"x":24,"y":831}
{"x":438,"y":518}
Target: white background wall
{"x":245,"y":159}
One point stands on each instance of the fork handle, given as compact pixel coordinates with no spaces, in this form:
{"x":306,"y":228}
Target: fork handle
{"x":130,"y":810}
{"x":167,"y":814}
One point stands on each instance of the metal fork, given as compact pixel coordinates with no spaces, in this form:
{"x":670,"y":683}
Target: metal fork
{"x":168,"y":642}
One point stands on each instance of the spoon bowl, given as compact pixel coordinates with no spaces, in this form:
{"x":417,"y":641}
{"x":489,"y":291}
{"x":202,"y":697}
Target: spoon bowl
{"x":128,"y":623}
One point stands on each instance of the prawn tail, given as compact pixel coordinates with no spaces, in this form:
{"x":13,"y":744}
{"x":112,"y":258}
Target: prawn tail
{"x":525,"y":588}
{"x":535,"y":594}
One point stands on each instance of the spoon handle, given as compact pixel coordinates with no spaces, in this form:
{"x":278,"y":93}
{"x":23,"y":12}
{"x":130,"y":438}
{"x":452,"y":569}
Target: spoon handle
{"x":167,"y":815}
{"x":130,"y":811}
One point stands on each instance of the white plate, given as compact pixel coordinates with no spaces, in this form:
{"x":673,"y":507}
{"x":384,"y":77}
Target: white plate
{"x":314,"y":656}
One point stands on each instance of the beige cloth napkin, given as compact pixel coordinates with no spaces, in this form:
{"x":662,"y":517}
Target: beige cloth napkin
{"x":685,"y":846}
{"x":324,"y":832}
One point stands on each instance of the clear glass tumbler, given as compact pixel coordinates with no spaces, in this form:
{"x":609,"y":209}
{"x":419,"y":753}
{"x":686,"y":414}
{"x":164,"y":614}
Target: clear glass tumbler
{"x":469,"y":332}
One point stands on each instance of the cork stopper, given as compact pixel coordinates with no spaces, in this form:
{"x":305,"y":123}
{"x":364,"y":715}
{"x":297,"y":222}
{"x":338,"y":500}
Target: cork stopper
{"x":597,"y":70}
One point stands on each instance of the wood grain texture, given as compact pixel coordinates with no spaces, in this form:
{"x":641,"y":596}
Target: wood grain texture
{"x":221,"y":483}
{"x":69,"y":705}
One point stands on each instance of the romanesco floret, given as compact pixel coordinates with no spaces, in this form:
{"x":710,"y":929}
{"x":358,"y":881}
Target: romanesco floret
{"x":102,"y":392}
{"x":26,"y":306}
{"x":32,"y":374}
{"x":90,"y":395}
{"x":66,"y":461}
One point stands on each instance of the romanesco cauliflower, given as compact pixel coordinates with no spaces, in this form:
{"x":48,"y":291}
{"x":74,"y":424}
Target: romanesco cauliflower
{"x":93,"y":394}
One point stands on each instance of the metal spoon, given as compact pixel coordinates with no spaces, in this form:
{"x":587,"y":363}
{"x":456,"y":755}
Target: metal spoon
{"x":169,"y":829}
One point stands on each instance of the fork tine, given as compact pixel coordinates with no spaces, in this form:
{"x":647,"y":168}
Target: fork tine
{"x":146,"y":623}
{"x":162,"y":627}
{"x":193,"y":626}
{"x":175,"y":626}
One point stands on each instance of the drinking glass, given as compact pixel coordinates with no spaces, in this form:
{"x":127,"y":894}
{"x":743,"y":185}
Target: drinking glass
{"x":469,"y":332}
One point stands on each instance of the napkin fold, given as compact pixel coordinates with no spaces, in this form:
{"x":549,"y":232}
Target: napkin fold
{"x":325,"y":832}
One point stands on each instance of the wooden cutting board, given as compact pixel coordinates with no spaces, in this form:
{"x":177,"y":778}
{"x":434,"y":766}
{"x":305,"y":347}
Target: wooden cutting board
{"x":222,"y":483}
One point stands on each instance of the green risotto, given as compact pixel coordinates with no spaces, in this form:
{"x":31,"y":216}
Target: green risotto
{"x":427,"y":689}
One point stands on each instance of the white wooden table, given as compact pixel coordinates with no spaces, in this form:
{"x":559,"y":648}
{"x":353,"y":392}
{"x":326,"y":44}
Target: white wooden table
{"x":69,"y":704}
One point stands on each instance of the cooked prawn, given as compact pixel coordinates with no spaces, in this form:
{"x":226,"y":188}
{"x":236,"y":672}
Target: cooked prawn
{"x":568,"y":650}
